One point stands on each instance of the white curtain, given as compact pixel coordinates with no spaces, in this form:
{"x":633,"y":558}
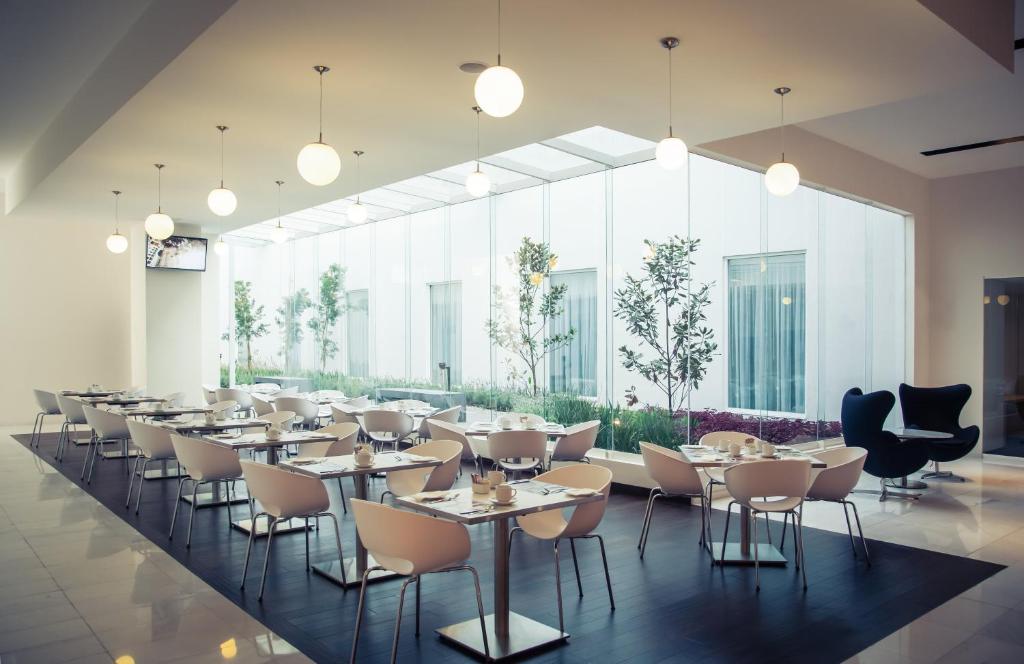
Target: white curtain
{"x":446,"y":330}
{"x":357,"y":328}
{"x":573,"y":368}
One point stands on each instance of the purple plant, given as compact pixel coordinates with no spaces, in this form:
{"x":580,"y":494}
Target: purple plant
{"x":775,"y":430}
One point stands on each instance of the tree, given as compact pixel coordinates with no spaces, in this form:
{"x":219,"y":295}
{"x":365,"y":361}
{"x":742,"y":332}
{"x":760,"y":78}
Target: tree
{"x":249,"y":323}
{"x":289,"y":319}
{"x":521,"y":317}
{"x":329,"y":308}
{"x":666,"y":312}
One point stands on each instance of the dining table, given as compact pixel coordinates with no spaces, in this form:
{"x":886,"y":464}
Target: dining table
{"x":90,"y":393}
{"x":260,"y":441}
{"x":911,"y":433}
{"x":742,"y":552}
{"x":117,"y":400}
{"x":551,"y":429}
{"x":326,"y":468}
{"x":509,"y":634}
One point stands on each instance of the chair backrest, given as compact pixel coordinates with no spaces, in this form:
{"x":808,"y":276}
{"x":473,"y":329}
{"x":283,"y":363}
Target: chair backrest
{"x":264,"y":388}
{"x":329,"y":394}
{"x":288,"y":391}
{"x":447,"y":415}
{"x":517,"y":444}
{"x":531,"y":418}
{"x":282,"y":493}
{"x":844,"y":468}
{"x":174,"y":399}
{"x":302,"y":408}
{"x":788,"y":478}
{"x":863,"y":418}
{"x":713,"y":438}
{"x":72,"y":409}
{"x":407,"y":542}
{"x":674,"y":474}
{"x":210,"y":394}
{"x":585,"y":517}
{"x":280,"y":418}
{"x":440,"y":430}
{"x":390,"y":421}
{"x":347,"y":433}
{"x":934,"y":408}
{"x":205,"y":460}
{"x":47,"y":402}
{"x":261,"y":406}
{"x":358,"y":402}
{"x":577,"y":441}
{"x":339,"y":413}
{"x":107,"y":424}
{"x":154,"y":441}
{"x":449,"y":452}
{"x":240,"y":397}
{"x":219,"y":406}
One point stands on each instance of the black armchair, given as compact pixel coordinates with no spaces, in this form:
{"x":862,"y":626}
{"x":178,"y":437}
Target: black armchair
{"x":863,"y":417}
{"x":938,"y":409}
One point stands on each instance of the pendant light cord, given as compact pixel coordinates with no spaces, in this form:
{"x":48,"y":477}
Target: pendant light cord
{"x":117,"y":225}
{"x":670,"y":93}
{"x":477,"y":109}
{"x":222,"y":158}
{"x":358,"y":154}
{"x":499,"y":33}
{"x":782,"y":123}
{"x":321,"y":140}
{"x":159,"y":190}
{"x":279,"y":183}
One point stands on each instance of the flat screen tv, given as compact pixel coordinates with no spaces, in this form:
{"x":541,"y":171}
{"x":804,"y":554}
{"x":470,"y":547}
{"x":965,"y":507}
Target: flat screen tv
{"x":177,"y":253}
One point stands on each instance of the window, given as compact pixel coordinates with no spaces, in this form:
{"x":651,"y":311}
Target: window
{"x":358,"y":330}
{"x":573,"y":367}
{"x":767,"y":319}
{"x":446,"y":330}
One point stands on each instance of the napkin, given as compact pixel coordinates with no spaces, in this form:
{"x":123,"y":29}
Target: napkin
{"x":417,"y":457}
{"x":433,"y":496}
{"x":579,"y":493}
{"x":308,"y":462}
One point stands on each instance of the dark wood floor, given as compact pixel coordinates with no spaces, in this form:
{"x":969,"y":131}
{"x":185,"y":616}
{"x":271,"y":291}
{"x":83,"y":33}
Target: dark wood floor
{"x":672,"y":606}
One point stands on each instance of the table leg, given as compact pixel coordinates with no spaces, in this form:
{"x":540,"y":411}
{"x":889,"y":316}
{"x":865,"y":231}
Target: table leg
{"x":745,"y":530}
{"x":742,"y":553}
{"x":289,"y":526}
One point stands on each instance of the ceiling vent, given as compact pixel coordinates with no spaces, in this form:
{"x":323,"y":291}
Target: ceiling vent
{"x":972,"y":146}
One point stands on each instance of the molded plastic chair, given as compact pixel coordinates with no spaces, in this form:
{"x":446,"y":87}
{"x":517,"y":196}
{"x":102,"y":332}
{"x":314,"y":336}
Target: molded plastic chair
{"x":574,"y":445}
{"x":531,"y":418}
{"x":438,"y":478}
{"x":174,"y":400}
{"x":780,"y":485}
{"x":712,"y":439}
{"x":241,"y":398}
{"x":347,"y":433}
{"x":674,"y":477}
{"x":261,"y":406}
{"x":450,"y":415}
{"x":440,"y":430}
{"x":361,"y":401}
{"x":938,"y":409}
{"x":835,"y":483}
{"x":285,"y":495}
{"x":206,"y":463}
{"x":73,"y":417}
{"x":518,"y":451}
{"x":210,"y":394}
{"x":412,"y":545}
{"x":155,"y":443}
{"x":343,"y":413}
{"x":221,"y":406}
{"x":48,"y":405}
{"x":306,"y":412}
{"x":387,"y":426}
{"x":280,"y":418}
{"x":107,"y":427}
{"x":329,"y":394}
{"x":551,"y":525}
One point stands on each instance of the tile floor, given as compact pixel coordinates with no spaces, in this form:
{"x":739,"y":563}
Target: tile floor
{"x":79,"y":585}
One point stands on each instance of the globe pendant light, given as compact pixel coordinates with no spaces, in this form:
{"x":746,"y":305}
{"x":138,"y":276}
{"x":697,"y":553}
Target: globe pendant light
{"x":318,"y":162}
{"x":222,"y":201}
{"x":159,"y":226}
{"x":357,"y":212}
{"x":220,"y":247}
{"x":498,"y":89}
{"x":279,"y":234}
{"x":116,"y":243}
{"x":477,"y":182}
{"x":671,"y":152}
{"x":782,"y":178}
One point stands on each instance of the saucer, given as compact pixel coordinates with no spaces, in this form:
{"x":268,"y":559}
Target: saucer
{"x":362,"y":465}
{"x":495,"y":501}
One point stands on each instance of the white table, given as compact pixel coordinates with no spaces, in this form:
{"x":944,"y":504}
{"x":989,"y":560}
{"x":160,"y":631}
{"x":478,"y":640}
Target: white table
{"x":344,"y":466}
{"x":551,"y":430}
{"x":741,"y":553}
{"x":509,"y":634}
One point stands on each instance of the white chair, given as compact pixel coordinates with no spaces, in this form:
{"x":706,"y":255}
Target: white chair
{"x":551,"y":525}
{"x":329,"y":394}
{"x":281,"y":419}
{"x":835,"y":483}
{"x":347,"y":433}
{"x":73,"y":418}
{"x":781,"y":485}
{"x":174,"y":400}
{"x":450,"y":415}
{"x":48,"y":405}
{"x":285,"y":495}
{"x":306,"y":412}
{"x":286,"y":392}
{"x":210,"y":394}
{"x":674,"y":477}
{"x":574,"y":445}
{"x":221,"y":406}
{"x":358,"y":402}
{"x":712,"y":439}
{"x":261,"y":406}
{"x":155,"y":444}
{"x":242,"y":399}
{"x":531,"y":418}
{"x":387,"y":426}
{"x":265,"y":388}
{"x":440,"y":430}
{"x":412,"y":545}
{"x":107,"y":427}
{"x":206,"y":463}
{"x":518,"y":451}
{"x":439,"y":478}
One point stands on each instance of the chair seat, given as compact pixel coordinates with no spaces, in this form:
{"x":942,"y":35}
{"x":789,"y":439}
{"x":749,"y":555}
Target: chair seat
{"x":777,"y":505}
{"x":716,"y":475}
{"x":517,"y":466}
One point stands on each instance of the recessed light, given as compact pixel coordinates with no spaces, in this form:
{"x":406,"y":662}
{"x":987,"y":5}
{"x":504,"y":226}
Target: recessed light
{"x":472,"y":67}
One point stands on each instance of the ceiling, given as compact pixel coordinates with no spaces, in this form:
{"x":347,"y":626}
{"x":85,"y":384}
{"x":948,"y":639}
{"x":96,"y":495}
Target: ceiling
{"x":395,"y":90}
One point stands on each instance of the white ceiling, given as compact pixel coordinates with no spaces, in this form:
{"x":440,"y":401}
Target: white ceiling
{"x":396,"y":92}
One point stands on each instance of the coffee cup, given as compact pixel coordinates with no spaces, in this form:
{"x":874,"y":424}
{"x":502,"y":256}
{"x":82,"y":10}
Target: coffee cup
{"x":504,"y":493}
{"x":210,"y":417}
{"x":364,"y":457}
{"x":735,"y":449}
{"x":767,"y":450}
{"x":481,"y":485}
{"x":723,"y":446}
{"x":505,"y":422}
{"x":273,"y":433}
{"x":158,"y":406}
{"x":495,"y":477}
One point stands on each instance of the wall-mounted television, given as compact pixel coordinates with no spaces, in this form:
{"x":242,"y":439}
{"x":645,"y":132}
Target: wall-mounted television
{"x":177,"y":253}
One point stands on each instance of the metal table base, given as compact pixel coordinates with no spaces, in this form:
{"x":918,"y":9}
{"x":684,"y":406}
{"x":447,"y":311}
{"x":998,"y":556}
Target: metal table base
{"x":217,"y":497}
{"x":164,"y":473}
{"x":742,"y":552}
{"x":120,"y":454}
{"x":523,"y":635}
{"x":290,"y":526}
{"x":332,"y":572}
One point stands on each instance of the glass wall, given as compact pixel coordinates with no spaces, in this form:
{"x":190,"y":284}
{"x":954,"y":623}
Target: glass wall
{"x":667,"y":305}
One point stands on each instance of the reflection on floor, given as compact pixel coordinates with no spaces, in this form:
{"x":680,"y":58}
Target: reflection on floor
{"x":848,"y":607}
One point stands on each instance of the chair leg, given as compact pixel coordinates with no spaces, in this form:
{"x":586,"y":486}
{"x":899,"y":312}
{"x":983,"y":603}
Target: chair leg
{"x":32,"y":442}
{"x":177,"y":502}
{"x":229,"y":491}
{"x":398,"y":619}
{"x":863,"y":542}
{"x":757,"y":562}
{"x":386,"y":492}
{"x":849,"y":528}
{"x":647,"y":516}
{"x":341,"y":488}
{"x":248,"y":549}
{"x":142,"y":480}
{"x":558,"y":590}
{"x":305,"y":534}
{"x":510,"y":534}
{"x":419,"y":581}
{"x":85,"y":464}
{"x":480,"y":610}
{"x":800,"y":543}
{"x":607,"y":576}
{"x":131,"y":481}
{"x":785,"y":524}
{"x":576,"y":565}
{"x":725,"y":536}
{"x":192,"y":515}
{"x":359,"y":612}
{"x":266,"y":560}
